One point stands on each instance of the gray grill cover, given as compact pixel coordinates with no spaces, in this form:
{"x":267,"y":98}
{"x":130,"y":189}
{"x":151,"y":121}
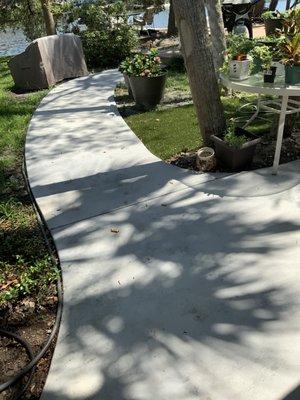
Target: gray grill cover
{"x":48,"y":60}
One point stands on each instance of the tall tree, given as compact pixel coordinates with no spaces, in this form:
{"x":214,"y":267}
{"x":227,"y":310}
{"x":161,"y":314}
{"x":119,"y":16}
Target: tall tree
{"x":196,"y":48}
{"x":217,"y":31}
{"x":258,"y":9}
{"x":273,"y":5}
{"x":35,"y":17}
{"x":172,"y":29}
{"x":48,"y":17}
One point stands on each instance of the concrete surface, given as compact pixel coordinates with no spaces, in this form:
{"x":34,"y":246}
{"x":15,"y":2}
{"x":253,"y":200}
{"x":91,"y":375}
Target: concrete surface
{"x":176,"y":285}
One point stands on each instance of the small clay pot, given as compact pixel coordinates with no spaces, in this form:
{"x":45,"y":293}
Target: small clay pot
{"x":206,"y":159}
{"x":241,"y":57}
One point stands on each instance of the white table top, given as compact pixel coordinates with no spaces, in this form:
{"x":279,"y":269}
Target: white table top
{"x":237,"y":2}
{"x":255,"y":84}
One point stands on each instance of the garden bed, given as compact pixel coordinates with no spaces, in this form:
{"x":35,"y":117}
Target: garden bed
{"x":28,"y":295}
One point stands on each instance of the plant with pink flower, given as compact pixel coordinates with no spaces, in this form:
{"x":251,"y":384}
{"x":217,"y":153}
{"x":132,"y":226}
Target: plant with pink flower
{"x":143,"y":64}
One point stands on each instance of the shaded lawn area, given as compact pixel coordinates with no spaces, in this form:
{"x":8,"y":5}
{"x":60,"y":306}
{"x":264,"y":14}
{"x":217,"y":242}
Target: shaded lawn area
{"x":167,"y":132}
{"x":25,"y":267}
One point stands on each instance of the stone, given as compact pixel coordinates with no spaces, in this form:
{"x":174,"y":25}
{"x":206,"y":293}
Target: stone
{"x":48,"y":60}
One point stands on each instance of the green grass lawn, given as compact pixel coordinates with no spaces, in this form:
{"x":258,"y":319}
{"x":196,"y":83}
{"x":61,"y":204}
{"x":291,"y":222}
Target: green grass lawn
{"x":167,"y":132}
{"x":178,"y":82}
{"x":25,"y":267}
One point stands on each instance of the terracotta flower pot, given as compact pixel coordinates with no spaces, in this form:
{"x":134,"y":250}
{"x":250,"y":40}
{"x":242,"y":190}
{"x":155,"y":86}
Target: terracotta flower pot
{"x":148,"y":91}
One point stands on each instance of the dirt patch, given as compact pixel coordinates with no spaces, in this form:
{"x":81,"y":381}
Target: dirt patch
{"x":35,"y":330}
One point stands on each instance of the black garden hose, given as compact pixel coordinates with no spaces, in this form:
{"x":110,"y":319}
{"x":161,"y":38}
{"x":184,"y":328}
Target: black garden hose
{"x":30,"y":367}
{"x":26,"y":346}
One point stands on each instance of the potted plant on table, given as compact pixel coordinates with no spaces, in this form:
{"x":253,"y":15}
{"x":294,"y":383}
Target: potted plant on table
{"x":238,"y":63}
{"x":147,"y":78}
{"x":273,"y":22}
{"x":264,"y":55}
{"x":291,"y":54}
{"x":235,"y":150}
{"x":290,"y":47}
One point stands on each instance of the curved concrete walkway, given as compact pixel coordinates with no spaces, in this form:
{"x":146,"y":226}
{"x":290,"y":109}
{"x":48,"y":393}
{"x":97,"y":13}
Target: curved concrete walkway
{"x":176,"y":285}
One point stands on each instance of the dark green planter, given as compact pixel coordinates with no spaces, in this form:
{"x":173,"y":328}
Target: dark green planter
{"x":292,"y":74}
{"x":272,"y":24}
{"x":148,"y":91}
{"x":232,"y":158}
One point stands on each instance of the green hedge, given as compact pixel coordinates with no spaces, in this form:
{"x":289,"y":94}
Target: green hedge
{"x":104,"y":49}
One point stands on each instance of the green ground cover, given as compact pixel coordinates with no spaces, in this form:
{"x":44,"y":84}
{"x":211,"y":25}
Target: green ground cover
{"x":25,"y":266}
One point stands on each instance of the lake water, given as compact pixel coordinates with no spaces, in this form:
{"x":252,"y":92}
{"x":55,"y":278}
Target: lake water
{"x":14,"y":42}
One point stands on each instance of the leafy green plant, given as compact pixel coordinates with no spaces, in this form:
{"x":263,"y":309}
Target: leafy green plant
{"x":290,"y":50}
{"x":238,"y":45}
{"x":142,"y":64}
{"x":264,"y":55}
{"x":231,"y":138}
{"x":109,"y":38}
{"x":272,"y":15}
{"x":238,"y":48}
{"x":235,"y":141}
{"x":24,"y":279}
{"x":290,"y":45}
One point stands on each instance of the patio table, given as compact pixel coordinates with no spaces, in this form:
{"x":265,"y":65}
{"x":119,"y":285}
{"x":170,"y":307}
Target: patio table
{"x":283,"y":106}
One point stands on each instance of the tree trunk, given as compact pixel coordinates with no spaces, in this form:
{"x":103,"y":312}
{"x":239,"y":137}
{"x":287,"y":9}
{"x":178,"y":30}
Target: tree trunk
{"x":48,"y":17}
{"x":196,"y":49}
{"x":273,"y":5}
{"x":217,"y":31}
{"x":258,"y":9}
{"x":172,"y":29}
{"x":288,"y":4}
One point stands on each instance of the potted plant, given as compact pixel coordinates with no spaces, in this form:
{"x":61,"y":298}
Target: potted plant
{"x":264,"y":55}
{"x":290,"y":47}
{"x":291,"y":51}
{"x":147,"y":78}
{"x":235,"y":150}
{"x":273,"y":22}
{"x":238,"y":63}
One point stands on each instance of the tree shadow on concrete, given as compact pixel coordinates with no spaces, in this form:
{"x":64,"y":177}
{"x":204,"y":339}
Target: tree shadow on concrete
{"x":172,"y":281}
{"x":183,"y":299}
{"x":294,"y":395}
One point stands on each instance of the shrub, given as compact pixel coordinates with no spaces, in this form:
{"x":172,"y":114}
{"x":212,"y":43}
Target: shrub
{"x":231,"y":138}
{"x":264,"y":55}
{"x":104,"y":49}
{"x":108,"y":38}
